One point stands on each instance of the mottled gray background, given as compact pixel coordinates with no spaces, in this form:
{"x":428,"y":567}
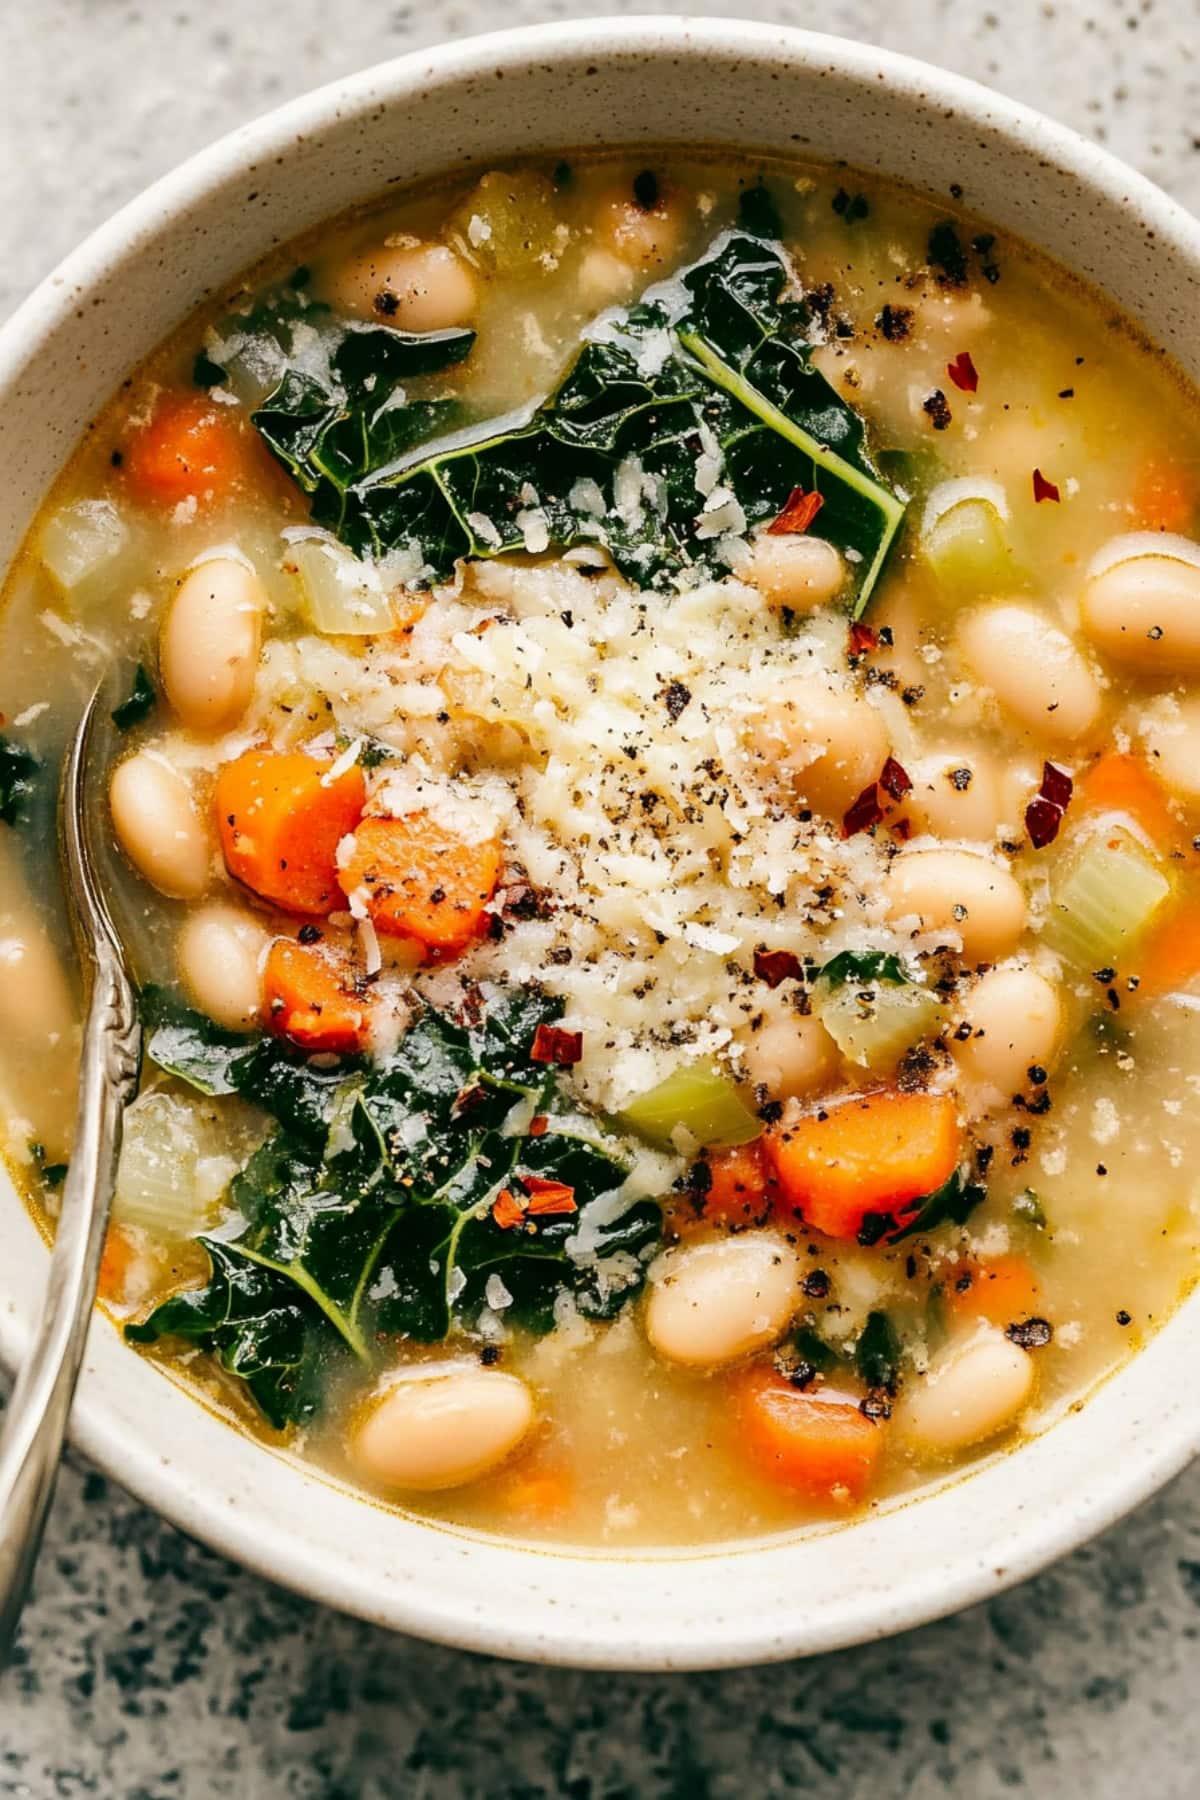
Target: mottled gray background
{"x":151,"y":1669}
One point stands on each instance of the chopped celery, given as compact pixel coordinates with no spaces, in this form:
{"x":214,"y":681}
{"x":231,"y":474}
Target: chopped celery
{"x":345,"y":596}
{"x":967,"y":548}
{"x":1104,"y":901}
{"x":874,"y":1024}
{"x":698,"y":1098}
{"x":508,"y":223}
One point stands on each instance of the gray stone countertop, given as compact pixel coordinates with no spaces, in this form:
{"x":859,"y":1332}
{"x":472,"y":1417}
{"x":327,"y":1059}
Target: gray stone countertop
{"x":153,"y":1670}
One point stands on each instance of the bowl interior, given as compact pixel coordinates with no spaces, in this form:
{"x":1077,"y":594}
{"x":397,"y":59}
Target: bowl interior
{"x":609,"y":84}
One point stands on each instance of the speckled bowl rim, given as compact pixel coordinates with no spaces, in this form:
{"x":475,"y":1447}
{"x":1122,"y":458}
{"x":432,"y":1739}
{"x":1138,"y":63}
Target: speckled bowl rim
{"x":665,"y":1611}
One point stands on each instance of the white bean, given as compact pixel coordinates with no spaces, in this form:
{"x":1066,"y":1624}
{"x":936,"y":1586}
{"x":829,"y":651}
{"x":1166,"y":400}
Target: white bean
{"x":788,"y":1053}
{"x":795,"y":570}
{"x":644,"y":237}
{"x":441,"y":1430}
{"x":208,"y":649}
{"x":711,"y":1303}
{"x":1145,"y":614}
{"x":418,"y":287}
{"x":829,"y":740}
{"x":35,"y":1001}
{"x":1173,"y":741}
{"x":970,"y":1393}
{"x":219,"y":951}
{"x":959,"y":892}
{"x":1036,"y":672}
{"x":955,"y":794}
{"x":158,"y":826}
{"x":1015,"y":1019}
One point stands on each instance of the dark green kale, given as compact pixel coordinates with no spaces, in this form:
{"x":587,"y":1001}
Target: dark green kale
{"x":951,"y":1204}
{"x":398,"y":1198}
{"x":877,"y":1353}
{"x":138,"y":705}
{"x":865,"y":967}
{"x":18,"y":767}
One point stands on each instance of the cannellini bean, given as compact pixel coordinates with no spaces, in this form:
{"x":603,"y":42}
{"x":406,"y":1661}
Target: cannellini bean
{"x":829,"y":740}
{"x":795,"y":570}
{"x":711,"y":1303}
{"x":955,"y":794}
{"x":962,"y":892}
{"x":158,"y":826}
{"x":645,"y":237}
{"x":1035,"y":671}
{"x":35,"y":1001}
{"x":971,"y":1392}
{"x":603,"y":279}
{"x":418,"y":287}
{"x":1173,"y":741}
{"x":1144,"y":613}
{"x":442,"y":1429}
{"x":1015,"y":1018}
{"x":208,"y":649}
{"x":220,"y":949}
{"x":788,"y":1053}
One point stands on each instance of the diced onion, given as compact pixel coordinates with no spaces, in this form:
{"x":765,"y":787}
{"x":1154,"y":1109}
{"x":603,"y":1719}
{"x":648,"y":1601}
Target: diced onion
{"x":965,"y":543}
{"x":1105,"y":902}
{"x":969,"y":488}
{"x":698,"y":1098}
{"x":81,"y":542}
{"x":172,"y":1171}
{"x":345,"y":596}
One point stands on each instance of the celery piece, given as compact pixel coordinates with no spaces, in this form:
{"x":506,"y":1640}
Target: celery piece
{"x":967,"y":548}
{"x":80,"y":546}
{"x":509,"y":223}
{"x":873,"y":1024}
{"x":157,"y":1177}
{"x":1104,"y":901}
{"x":702,"y":1100}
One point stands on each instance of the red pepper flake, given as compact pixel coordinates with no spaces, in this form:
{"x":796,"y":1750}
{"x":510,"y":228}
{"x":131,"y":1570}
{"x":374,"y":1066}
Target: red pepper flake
{"x":963,"y":373}
{"x":798,"y":514}
{"x":865,"y":812}
{"x":551,"y":1044}
{"x":538,"y":1125}
{"x":863,"y":638}
{"x":1044,"y":814}
{"x":894,"y":779}
{"x":507,"y":1210}
{"x":774,"y":966}
{"x":1043,"y":489}
{"x":547,"y":1198}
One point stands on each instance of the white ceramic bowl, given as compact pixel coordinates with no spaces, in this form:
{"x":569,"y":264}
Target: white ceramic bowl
{"x":619,"y":81}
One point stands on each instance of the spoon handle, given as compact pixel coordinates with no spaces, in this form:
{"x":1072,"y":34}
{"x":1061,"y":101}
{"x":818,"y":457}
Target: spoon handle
{"x":36,"y":1422}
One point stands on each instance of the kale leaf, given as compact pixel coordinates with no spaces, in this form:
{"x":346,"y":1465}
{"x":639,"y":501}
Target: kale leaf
{"x":877,"y":1352}
{"x":372,"y":1211}
{"x":865,"y":967}
{"x":138,"y":704}
{"x":713,"y":367}
{"x":951,"y":1204}
{"x":18,"y":767}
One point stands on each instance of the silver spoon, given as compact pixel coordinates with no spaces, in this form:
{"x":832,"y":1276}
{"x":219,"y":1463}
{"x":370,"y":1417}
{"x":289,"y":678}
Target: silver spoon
{"x":36,"y":1423}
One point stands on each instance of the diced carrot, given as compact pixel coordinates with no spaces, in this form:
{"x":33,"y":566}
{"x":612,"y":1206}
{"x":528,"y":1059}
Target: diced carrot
{"x":280,"y":825}
{"x":740,"y":1185}
{"x":812,"y":1439}
{"x":1124,"y":784}
{"x":309,"y":997}
{"x":876,"y":1153}
{"x":1001,"y":1289}
{"x":115,"y":1263}
{"x":537,"y":1491}
{"x":1164,"y":496}
{"x":1169,"y":960}
{"x":191,"y":448}
{"x":418,"y":879}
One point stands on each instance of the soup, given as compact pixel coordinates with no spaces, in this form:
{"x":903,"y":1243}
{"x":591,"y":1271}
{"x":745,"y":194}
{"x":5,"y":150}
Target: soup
{"x":652,"y":794}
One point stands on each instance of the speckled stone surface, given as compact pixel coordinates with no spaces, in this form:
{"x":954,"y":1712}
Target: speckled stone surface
{"x":152,"y":1670}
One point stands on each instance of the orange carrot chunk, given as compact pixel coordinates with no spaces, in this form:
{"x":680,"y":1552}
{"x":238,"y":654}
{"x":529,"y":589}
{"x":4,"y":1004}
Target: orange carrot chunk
{"x":189,"y":450}
{"x":876,"y":1153}
{"x":814,"y":1440}
{"x":280,"y":825}
{"x":1169,"y":960}
{"x":309,"y":997}
{"x":418,"y":879}
{"x":1123,"y":784}
{"x":1164,"y":496}
{"x":116,"y":1260}
{"x":740,"y":1185}
{"x":1001,"y":1289}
